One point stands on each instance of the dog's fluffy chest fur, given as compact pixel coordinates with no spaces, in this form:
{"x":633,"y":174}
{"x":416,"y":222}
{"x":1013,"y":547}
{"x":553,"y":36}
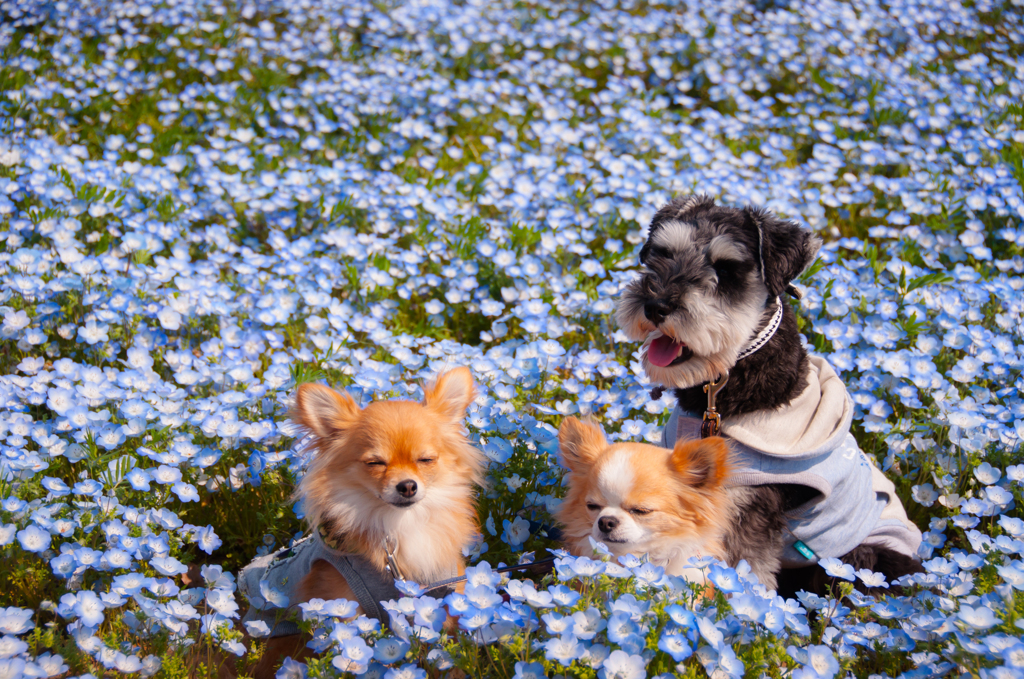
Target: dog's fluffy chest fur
{"x":429,"y":536}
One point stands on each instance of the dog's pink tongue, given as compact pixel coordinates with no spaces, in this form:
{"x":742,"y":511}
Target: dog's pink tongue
{"x":663,"y":350}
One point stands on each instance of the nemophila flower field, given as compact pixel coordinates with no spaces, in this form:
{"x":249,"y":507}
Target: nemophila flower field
{"x":204,"y":204}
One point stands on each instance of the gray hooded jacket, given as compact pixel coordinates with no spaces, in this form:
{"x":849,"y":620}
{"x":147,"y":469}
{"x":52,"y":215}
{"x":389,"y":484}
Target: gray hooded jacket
{"x":809,"y":443}
{"x":286,"y":567}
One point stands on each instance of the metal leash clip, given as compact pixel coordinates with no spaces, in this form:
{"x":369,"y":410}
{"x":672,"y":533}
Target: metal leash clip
{"x":712,"y":420}
{"x":390,"y":547}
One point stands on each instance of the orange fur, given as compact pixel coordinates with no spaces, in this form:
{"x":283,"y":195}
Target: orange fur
{"x":670,"y":504}
{"x":352,"y":485}
{"x":362,"y":454}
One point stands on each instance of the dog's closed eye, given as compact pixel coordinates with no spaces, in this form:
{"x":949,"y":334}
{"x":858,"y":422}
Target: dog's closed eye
{"x":593,"y":506}
{"x":375,"y":463}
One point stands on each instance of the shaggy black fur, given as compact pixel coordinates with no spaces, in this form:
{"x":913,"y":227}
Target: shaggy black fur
{"x":672,"y":273}
{"x":768,"y":379}
{"x":882,"y":560}
{"x":784,"y":247}
{"x":758,"y":530}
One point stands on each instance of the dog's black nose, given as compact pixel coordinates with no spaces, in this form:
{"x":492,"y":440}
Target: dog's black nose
{"x":607,"y":524}
{"x":656,"y":310}
{"x":406,"y":488}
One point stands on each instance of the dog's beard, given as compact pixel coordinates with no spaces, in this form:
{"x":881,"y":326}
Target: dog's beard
{"x":693,"y":345}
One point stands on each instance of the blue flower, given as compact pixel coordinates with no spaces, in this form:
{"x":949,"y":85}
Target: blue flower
{"x":207,"y":539}
{"x":725,"y":578}
{"x":186,"y":492}
{"x":818,"y":660}
{"x":222,"y":601}
{"x":55,"y":486}
{"x":676,"y":645}
{"x":482,"y":596}
{"x":355,"y":656}
{"x":681,"y":616}
{"x":88,"y":608}
{"x":579,"y":567}
{"x":64,"y":565}
{"x":837,"y":569}
{"x":872,"y":579}
{"x":290,"y":669}
{"x":556,"y":623}
{"x":710,"y":632}
{"x":482,"y":574}
{"x":1013,"y":655}
{"x":139,"y":479}
{"x":168,"y":565}
{"x":729,"y":663}
{"x":274,"y":597}
{"x":516,"y":532}
{"x":166,"y":475}
{"x":564,"y":596}
{"x":620,"y":626}
{"x":622,"y":665}
{"x":7,"y":533}
{"x":34,"y":539}
{"x":257,"y":628}
{"x":89,"y":487}
{"x":563,"y":649}
{"x":533,"y":670}
{"x":406,"y":672}
{"x":473,"y":618}
{"x":980,"y":617}
{"x":390,"y":650}
{"x":14,"y":620}
{"x":587,"y":624}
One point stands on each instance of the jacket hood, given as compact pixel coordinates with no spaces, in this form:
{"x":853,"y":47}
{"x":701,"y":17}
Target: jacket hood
{"x":815,"y":422}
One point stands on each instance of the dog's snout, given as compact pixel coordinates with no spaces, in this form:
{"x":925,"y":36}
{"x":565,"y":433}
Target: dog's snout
{"x":656,"y":310}
{"x":607,"y":524}
{"x":406,"y":488}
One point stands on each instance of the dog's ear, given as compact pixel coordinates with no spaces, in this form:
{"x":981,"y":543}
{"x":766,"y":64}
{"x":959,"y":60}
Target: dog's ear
{"x":680,"y":208}
{"x":450,"y":394}
{"x":323,"y":411}
{"x":786,"y":249}
{"x":703,"y":463}
{"x":580,"y":442}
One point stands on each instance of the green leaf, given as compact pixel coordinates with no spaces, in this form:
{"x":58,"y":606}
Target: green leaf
{"x":306,"y":372}
{"x":927,"y":280}
{"x":814,"y":268}
{"x":103,"y":244}
{"x":523,"y":237}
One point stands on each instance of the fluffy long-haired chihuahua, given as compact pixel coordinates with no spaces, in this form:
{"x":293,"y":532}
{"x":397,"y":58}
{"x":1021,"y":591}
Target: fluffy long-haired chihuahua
{"x":395,"y":468}
{"x":389,"y":491}
{"x":643,"y":499}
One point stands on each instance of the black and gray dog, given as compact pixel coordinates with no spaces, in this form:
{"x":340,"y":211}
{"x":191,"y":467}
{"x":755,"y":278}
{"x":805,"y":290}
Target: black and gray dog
{"x":708,"y":307}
